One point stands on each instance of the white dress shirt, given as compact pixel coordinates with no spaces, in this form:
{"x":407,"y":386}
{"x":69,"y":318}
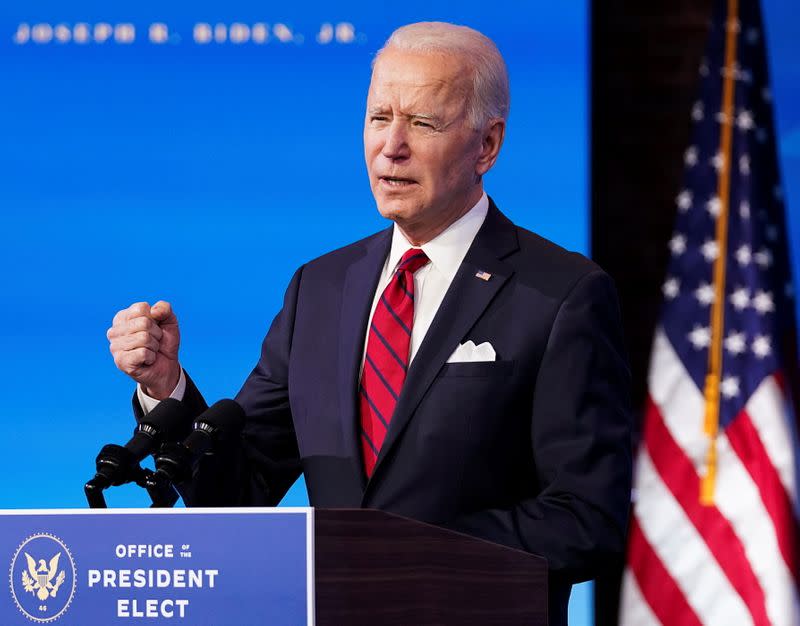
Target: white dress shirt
{"x":446,"y":251}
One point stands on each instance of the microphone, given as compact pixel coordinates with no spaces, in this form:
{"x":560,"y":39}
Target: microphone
{"x":175,"y":462}
{"x":117,"y":465}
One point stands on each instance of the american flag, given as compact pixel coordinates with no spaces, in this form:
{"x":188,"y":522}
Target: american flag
{"x":714,"y":532}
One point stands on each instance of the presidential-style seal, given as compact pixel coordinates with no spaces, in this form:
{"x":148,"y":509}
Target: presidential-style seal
{"x":42,"y":578}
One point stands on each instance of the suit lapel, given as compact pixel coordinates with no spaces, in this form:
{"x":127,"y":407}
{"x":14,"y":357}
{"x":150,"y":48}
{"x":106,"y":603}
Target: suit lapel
{"x":360,"y":283}
{"x":464,"y":302}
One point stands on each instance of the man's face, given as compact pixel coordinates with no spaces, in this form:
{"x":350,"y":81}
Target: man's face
{"x":422,"y":156}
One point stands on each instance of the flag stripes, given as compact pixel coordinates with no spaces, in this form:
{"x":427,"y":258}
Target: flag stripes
{"x":683,"y":481}
{"x":665,"y":598}
{"x":743,"y":548}
{"x":747,"y":446}
{"x":680,"y":550}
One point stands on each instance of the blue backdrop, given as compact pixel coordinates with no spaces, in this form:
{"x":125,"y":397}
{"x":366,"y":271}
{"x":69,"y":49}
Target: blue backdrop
{"x":783,"y":40}
{"x":205,"y":172}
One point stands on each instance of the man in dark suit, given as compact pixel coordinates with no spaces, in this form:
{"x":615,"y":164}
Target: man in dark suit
{"x":455,"y":368}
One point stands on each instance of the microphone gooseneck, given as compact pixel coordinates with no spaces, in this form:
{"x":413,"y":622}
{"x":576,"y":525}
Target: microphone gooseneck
{"x":117,"y":465}
{"x":175,"y":462}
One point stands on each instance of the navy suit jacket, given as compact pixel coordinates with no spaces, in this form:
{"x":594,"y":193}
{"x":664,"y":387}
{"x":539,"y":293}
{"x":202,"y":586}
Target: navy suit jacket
{"x":532,"y":451}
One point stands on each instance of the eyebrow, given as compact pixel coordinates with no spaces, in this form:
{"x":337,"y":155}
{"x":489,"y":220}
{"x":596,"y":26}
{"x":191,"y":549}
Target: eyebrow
{"x":425,"y":116}
{"x":377,"y":110}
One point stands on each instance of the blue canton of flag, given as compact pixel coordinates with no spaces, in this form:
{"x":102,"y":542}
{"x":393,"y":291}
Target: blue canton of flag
{"x":758,"y":314}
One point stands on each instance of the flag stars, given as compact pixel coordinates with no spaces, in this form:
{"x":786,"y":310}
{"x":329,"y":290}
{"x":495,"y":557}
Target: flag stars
{"x":752,"y":36}
{"x":761,"y":135}
{"x":766,"y":94}
{"x":705,"y":294}
{"x":671,"y":288}
{"x":710,"y":250}
{"x":714,"y":206}
{"x":762,"y":346}
{"x":740,"y":298}
{"x":788,"y":291}
{"x":698,"y":112}
{"x":763,"y":302}
{"x":744,"y":165}
{"x":744,"y":210}
{"x":729,"y":387}
{"x":763,"y":258}
{"x":703,"y":69}
{"x":677,"y":244}
{"x":684,"y":200}
{"x":744,"y":255}
{"x":690,"y":156}
{"x":744,"y":121}
{"x":700,"y":337}
{"x":735,"y":343}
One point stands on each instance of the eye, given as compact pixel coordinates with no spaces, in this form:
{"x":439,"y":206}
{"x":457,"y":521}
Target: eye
{"x":422,"y":124}
{"x":378,"y":118}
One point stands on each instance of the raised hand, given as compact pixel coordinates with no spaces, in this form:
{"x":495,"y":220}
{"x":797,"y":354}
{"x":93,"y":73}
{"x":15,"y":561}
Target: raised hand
{"x":144,"y":342}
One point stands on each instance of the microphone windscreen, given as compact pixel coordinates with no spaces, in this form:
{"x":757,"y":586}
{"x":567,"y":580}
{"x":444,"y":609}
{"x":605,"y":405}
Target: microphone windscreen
{"x":166,"y":422}
{"x":220,"y":422}
{"x":170,"y":418}
{"x":227,"y":416}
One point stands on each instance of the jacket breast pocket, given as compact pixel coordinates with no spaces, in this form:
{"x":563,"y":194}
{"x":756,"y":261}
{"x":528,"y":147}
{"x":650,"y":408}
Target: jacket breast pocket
{"x":482,"y":369}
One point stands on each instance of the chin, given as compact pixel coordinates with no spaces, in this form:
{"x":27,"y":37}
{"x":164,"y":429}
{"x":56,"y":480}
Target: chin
{"x":395,"y":210}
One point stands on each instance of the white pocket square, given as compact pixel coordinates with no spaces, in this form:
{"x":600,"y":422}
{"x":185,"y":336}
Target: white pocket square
{"x":468,"y":352}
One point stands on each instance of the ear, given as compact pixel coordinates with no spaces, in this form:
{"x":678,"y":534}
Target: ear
{"x":491,"y":141}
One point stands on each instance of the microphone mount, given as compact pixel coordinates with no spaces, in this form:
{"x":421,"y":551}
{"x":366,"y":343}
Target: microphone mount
{"x":118,"y":465}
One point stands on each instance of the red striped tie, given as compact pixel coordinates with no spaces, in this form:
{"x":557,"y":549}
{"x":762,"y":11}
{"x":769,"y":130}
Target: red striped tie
{"x":386,"y":361}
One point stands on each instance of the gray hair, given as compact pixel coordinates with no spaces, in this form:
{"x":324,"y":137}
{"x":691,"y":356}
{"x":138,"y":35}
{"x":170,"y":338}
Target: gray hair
{"x":490,"y":94}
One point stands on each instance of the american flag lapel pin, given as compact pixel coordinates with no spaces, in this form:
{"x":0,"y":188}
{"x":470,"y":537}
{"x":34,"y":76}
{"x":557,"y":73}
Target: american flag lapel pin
{"x":483,"y":275}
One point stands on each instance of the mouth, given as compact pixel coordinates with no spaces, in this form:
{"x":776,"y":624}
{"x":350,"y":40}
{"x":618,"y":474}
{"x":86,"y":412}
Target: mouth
{"x":396,"y":182}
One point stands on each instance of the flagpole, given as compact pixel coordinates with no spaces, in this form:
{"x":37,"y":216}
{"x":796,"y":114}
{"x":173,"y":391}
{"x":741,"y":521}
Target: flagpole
{"x":714,"y":373}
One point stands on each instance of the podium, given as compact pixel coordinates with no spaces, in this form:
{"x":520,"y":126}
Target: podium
{"x":290,"y":566}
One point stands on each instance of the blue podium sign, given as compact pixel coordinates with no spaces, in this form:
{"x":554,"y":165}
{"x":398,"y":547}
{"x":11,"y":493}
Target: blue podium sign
{"x":190,"y":566}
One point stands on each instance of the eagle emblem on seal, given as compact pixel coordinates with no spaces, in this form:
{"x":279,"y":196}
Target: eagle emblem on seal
{"x":39,"y":579}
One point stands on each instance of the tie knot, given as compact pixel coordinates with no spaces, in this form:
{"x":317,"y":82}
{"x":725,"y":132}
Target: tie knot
{"x":412,"y":260}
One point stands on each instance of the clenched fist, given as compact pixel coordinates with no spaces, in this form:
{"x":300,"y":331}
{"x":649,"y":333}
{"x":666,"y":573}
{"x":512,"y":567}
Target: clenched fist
{"x":144,"y":342}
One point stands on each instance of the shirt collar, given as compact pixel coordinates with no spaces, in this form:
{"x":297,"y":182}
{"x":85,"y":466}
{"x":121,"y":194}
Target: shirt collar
{"x":448,"y":248}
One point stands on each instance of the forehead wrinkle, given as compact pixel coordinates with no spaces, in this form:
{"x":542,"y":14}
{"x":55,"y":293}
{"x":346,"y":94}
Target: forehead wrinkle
{"x":412,"y":105}
{"x":413,"y":92}
{"x":422,"y":68}
{"x":410,"y":91}
{"x":419,"y":86}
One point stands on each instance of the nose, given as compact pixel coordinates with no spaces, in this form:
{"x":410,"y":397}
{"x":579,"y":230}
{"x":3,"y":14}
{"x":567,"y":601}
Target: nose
{"x":396,"y":145}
